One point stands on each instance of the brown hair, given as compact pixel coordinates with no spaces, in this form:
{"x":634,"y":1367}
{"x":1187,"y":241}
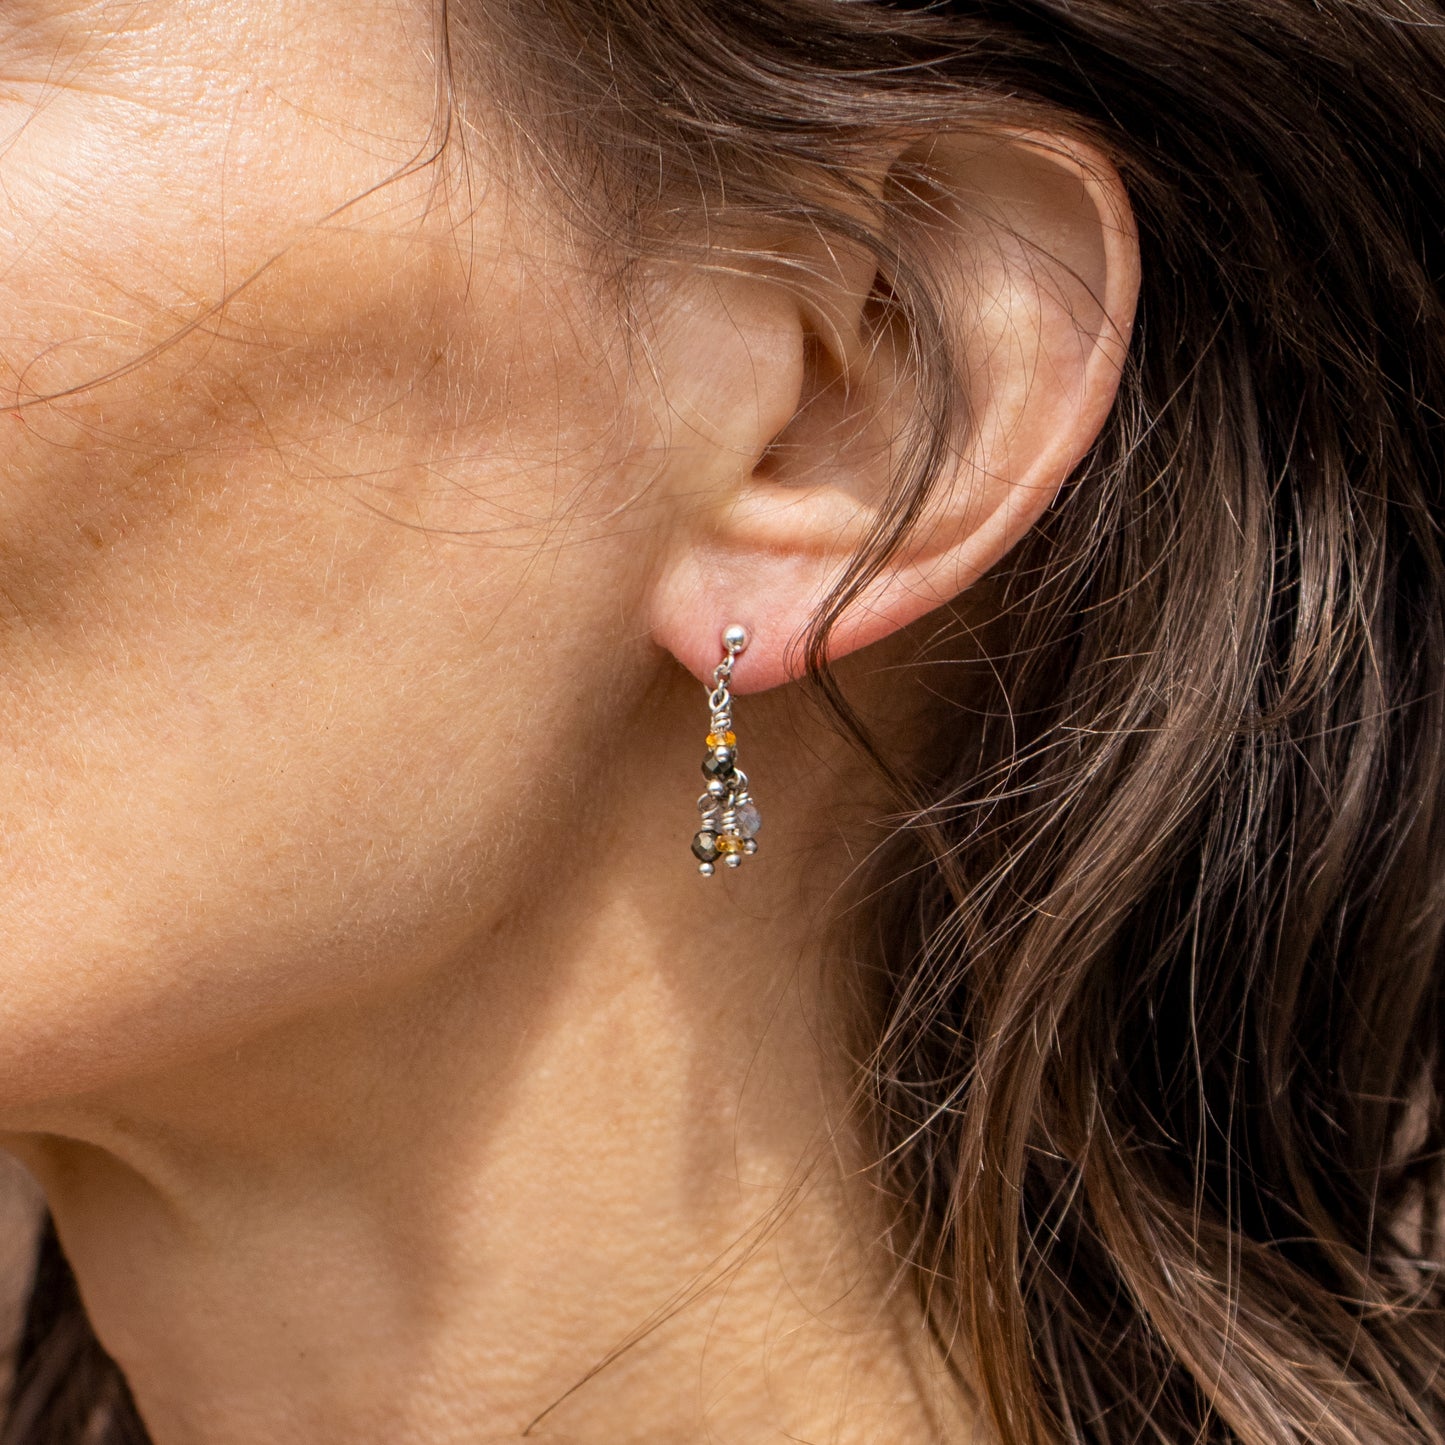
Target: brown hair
{"x":1156,"y":1071}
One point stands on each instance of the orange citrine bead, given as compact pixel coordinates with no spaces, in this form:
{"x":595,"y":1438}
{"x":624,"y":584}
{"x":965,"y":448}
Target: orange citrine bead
{"x":728,"y":844}
{"x":721,"y":740}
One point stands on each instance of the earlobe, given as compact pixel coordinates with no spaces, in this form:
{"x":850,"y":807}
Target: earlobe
{"x":1027,"y":244}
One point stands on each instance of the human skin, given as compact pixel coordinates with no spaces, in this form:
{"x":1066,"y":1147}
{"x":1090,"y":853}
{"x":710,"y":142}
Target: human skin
{"x":384,"y":1059}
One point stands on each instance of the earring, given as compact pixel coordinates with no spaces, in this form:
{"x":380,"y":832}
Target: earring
{"x":730,"y":818}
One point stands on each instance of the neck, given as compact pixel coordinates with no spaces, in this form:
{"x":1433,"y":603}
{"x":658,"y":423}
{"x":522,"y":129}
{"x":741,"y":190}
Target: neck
{"x":590,"y":1174}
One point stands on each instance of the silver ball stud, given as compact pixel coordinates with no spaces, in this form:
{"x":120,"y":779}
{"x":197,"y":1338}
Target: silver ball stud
{"x":735,"y":637}
{"x":735,"y":860}
{"x":706,"y":869}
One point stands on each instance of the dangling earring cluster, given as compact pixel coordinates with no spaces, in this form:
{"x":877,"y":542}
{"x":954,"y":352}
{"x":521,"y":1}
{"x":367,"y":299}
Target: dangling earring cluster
{"x":730,"y":818}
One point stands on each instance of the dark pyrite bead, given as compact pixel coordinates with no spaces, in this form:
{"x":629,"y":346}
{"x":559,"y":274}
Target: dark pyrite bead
{"x":715,"y":767}
{"x":704,"y":846}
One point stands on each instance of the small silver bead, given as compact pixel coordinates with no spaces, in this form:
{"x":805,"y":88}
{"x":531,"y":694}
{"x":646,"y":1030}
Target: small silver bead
{"x":750,"y":845}
{"x":717,"y":789}
{"x":735,"y":637}
{"x":735,"y":860}
{"x":706,"y":869}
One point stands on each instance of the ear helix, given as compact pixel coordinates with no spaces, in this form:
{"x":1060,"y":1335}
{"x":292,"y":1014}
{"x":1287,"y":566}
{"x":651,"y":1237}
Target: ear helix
{"x":730,"y":818}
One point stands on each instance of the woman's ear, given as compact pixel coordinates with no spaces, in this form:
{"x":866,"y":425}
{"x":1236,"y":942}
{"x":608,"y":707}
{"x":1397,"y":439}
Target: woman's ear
{"x":791,"y":395}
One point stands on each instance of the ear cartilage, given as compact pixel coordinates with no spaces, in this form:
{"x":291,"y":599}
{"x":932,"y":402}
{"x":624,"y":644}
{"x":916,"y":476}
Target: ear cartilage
{"x":730,"y":818}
